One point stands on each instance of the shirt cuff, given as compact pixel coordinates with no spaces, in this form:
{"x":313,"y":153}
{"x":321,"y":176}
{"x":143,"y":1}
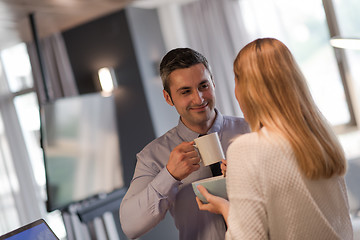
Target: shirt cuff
{"x":165,"y":184}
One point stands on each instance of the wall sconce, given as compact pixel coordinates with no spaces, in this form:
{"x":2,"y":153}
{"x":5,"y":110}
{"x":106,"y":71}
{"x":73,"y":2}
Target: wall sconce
{"x":347,"y":43}
{"x":107,"y":79}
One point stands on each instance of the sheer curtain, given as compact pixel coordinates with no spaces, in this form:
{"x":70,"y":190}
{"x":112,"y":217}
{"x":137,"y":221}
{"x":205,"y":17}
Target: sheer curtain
{"x":213,"y":28}
{"x":59,"y":77}
{"x":21,"y":199}
{"x":19,"y":196}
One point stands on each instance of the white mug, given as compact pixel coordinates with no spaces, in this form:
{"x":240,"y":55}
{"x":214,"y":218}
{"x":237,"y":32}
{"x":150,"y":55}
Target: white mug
{"x":209,"y":148}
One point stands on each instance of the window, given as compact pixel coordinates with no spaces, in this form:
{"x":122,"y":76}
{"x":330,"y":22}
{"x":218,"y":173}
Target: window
{"x":303,"y":28}
{"x":17,"y":68}
{"x":27,"y":109}
{"x":348,"y":18}
{"x":9,"y":218}
{"x":16,"y":89}
{"x":348,"y":21}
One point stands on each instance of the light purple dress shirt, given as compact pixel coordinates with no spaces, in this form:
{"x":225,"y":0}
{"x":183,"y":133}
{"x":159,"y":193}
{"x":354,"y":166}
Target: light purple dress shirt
{"x":153,"y":191}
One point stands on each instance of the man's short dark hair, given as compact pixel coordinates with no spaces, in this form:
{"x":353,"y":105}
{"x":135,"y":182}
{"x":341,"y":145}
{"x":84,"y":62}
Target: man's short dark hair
{"x":180,"y":58}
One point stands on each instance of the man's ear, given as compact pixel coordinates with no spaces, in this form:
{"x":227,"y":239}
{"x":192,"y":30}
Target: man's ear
{"x":168,"y":98}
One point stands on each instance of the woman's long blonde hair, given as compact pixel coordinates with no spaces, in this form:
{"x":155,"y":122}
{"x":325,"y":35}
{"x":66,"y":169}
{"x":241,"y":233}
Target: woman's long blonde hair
{"x":273,"y":93}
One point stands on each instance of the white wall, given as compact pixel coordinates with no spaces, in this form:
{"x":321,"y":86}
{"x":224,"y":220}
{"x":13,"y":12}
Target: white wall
{"x":150,"y":48}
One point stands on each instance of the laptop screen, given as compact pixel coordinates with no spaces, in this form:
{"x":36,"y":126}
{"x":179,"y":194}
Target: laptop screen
{"x":38,"y":230}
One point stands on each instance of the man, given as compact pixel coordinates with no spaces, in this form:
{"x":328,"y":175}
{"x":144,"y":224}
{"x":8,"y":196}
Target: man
{"x":167,"y":166}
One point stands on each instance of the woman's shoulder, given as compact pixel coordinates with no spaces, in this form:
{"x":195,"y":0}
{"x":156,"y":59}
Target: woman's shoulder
{"x":262,"y":153}
{"x":262,"y":141}
{"x":253,"y":138}
{"x":246,"y":144}
{"x":246,"y":139}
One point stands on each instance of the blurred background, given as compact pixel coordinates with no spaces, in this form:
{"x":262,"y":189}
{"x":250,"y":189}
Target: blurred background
{"x":80,"y":91}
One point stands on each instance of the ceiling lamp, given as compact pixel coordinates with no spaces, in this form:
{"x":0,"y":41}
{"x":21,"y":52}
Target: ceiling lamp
{"x":347,"y":43}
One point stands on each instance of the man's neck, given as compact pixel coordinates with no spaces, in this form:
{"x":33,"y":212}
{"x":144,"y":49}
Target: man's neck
{"x":204,"y":127}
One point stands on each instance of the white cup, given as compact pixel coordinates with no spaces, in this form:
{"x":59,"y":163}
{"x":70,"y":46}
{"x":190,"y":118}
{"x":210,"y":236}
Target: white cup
{"x":209,"y":148}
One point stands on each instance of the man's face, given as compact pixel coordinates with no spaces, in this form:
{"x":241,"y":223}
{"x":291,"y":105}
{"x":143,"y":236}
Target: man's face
{"x":193,"y":95}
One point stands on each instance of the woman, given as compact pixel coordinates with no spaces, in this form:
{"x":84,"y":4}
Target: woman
{"x":285,"y":179}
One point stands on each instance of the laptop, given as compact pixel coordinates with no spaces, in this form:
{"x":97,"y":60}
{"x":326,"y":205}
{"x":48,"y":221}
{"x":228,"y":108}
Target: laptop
{"x":37,"y":230}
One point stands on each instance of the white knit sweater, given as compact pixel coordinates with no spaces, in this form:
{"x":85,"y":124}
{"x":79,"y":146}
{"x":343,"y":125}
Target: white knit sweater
{"x":271,"y":199}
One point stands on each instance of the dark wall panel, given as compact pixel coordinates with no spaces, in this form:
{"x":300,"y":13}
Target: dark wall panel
{"x":106,"y":42}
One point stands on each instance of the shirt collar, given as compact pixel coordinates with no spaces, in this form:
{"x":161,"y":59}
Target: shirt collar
{"x":188,"y":135}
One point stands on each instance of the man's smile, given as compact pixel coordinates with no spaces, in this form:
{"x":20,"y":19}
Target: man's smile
{"x":199,"y":108}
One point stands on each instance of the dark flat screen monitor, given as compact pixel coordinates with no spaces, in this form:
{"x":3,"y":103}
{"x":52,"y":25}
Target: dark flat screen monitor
{"x":81,"y":149}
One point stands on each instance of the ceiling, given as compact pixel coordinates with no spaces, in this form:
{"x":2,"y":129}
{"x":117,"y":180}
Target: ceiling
{"x":50,"y":16}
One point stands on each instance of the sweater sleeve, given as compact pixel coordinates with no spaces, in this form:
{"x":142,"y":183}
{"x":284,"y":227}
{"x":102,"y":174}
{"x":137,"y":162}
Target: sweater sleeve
{"x":247,"y":212}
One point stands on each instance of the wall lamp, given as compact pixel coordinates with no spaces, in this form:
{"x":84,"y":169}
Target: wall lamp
{"x":107,"y":79}
{"x":347,"y":43}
